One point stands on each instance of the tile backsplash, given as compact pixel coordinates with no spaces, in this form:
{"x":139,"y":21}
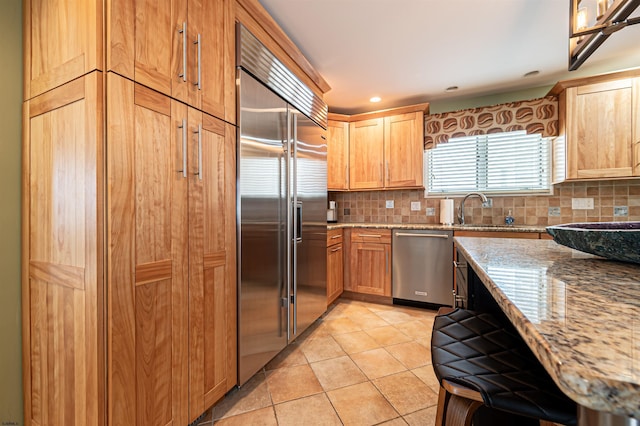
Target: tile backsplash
{"x":613,"y":200}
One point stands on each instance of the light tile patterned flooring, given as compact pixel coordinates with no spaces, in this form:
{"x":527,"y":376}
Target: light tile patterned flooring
{"x":361,"y":364}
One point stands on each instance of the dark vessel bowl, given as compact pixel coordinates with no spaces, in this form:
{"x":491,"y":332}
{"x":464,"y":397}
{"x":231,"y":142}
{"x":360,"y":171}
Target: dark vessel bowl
{"x":613,"y":240}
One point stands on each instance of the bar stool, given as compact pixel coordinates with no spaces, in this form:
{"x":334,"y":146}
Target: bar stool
{"x":482,"y":361}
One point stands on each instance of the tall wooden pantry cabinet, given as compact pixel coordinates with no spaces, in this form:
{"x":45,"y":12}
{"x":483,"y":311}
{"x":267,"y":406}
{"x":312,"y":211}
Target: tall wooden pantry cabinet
{"x":128,"y":211}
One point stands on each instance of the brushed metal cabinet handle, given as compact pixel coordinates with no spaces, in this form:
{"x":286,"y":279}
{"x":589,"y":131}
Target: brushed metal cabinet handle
{"x":184,"y":147}
{"x":198,"y":42}
{"x":404,"y":234}
{"x":199,"y":132}
{"x":336,"y":249}
{"x":183,"y":31}
{"x":369,"y":236}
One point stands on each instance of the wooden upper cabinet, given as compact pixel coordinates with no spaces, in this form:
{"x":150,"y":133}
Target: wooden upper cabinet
{"x":62,"y":41}
{"x":599,"y":130}
{"x":403,"y":147}
{"x":366,"y":154}
{"x":385,"y":149}
{"x":600,"y":124}
{"x":181,"y":48}
{"x":337,"y":155}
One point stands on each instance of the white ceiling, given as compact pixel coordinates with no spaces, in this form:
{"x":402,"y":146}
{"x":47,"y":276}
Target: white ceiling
{"x":410,"y":51}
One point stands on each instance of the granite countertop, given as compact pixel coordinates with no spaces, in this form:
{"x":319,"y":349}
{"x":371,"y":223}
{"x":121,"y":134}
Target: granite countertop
{"x":580,"y":314}
{"x":470,"y":227}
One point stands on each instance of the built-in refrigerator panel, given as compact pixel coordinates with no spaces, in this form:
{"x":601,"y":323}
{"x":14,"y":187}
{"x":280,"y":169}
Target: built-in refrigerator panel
{"x":309,"y":189}
{"x":262,"y":226}
{"x":282,"y":202}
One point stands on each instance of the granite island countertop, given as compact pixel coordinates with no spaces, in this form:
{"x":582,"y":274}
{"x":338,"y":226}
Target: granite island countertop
{"x":455,"y":227}
{"x":580,"y":314}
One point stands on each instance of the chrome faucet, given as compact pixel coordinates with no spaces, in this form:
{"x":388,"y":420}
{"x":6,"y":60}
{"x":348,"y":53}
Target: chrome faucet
{"x":461,"y":208}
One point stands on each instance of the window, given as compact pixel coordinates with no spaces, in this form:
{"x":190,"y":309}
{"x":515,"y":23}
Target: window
{"x":512,"y":162}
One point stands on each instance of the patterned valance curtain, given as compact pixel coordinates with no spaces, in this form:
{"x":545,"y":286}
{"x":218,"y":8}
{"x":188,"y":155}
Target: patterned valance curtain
{"x":534,"y":116}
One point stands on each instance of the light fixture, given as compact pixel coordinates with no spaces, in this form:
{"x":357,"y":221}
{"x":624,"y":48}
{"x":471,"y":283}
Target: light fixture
{"x":591,"y":22}
{"x":375,"y":99}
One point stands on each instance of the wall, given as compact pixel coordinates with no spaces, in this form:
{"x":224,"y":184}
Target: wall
{"x":527,"y":210}
{"x":10,"y":160}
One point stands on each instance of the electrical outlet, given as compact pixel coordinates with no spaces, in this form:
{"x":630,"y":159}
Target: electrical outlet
{"x":415,"y":206}
{"x":620,"y":211}
{"x":582,"y":203}
{"x":488,"y":203}
{"x":390,"y":204}
{"x":431,"y":211}
{"x":554,"y":211}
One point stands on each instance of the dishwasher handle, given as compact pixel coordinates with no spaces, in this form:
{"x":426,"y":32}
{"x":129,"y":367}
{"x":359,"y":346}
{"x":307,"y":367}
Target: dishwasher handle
{"x":407,"y":234}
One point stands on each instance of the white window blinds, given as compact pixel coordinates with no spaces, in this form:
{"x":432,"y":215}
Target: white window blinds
{"x":512,"y":162}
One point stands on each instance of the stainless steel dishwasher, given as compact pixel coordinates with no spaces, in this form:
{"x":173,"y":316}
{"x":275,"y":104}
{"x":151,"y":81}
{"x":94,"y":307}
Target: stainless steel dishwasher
{"x":422,"y":267}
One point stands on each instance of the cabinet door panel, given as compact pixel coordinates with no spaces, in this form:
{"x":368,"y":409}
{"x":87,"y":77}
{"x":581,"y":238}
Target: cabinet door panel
{"x":337,"y":155}
{"x":209,"y":268}
{"x":370,"y":268}
{"x":366,"y":152}
{"x":145,"y":45}
{"x":62,"y":297}
{"x":601,"y":125}
{"x":207,"y":65}
{"x":335,"y":271}
{"x":64,"y":41}
{"x":147,"y":257}
{"x":403,"y":138}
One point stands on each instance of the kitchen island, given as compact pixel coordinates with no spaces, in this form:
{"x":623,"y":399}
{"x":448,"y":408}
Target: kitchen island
{"x":579,"y":314}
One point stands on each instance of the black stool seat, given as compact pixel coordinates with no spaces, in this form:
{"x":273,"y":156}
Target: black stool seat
{"x":479,"y":352}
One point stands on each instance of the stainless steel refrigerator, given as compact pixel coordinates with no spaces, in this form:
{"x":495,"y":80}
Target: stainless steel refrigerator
{"x":282,"y":202}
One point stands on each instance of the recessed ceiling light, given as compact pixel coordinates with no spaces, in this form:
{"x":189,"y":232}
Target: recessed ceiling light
{"x":375,"y":99}
{"x":451,"y":89}
{"x":532,"y":73}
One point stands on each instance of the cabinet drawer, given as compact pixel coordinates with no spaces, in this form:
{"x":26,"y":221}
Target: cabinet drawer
{"x":364,"y":235}
{"x":334,"y":236}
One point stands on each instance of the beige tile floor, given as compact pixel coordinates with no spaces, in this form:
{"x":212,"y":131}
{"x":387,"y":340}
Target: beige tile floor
{"x":361,"y":364}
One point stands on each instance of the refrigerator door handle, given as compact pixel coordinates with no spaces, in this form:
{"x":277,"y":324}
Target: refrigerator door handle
{"x":298,"y":235}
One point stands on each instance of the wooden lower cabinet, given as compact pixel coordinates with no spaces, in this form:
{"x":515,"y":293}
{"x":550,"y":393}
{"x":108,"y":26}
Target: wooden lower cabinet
{"x":370,"y":261}
{"x":128,"y":256}
{"x":63,"y":294}
{"x":335,"y":265}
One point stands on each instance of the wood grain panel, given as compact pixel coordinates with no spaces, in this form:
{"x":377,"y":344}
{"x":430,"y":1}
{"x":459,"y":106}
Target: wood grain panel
{"x":154,"y":340}
{"x":153,"y":271}
{"x":121,"y":225}
{"x":231,"y":260}
{"x":335,"y":270}
{"x":62,"y":275}
{"x":57,"y":98}
{"x":64,"y":43}
{"x":207,"y":19}
{"x":403,"y":150}
{"x":154,"y":31}
{"x":148,"y":364}
{"x":215,"y":337}
{"x":371,"y":268}
{"x":635,"y":114}
{"x":120,"y":32}
{"x":337,"y":155}
{"x":207,"y":265}
{"x":366,"y":154}
{"x":61,"y":286}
